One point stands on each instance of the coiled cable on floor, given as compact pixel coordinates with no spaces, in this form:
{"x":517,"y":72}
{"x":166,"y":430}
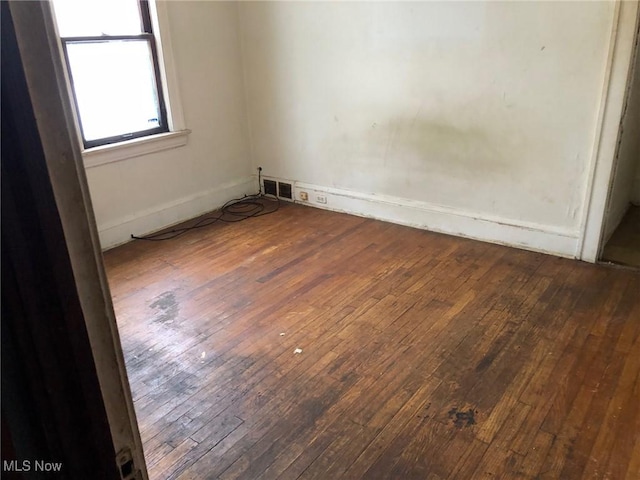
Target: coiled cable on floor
{"x":235,"y":210}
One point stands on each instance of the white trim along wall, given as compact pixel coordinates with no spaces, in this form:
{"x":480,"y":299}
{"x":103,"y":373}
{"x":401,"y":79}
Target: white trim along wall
{"x":173,"y":212}
{"x":606,"y":138}
{"x":438,"y":218}
{"x":382,"y":111}
{"x":144,"y":185}
{"x":385,"y":116}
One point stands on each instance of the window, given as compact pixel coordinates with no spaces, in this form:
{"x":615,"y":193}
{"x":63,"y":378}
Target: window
{"x":112,"y":62}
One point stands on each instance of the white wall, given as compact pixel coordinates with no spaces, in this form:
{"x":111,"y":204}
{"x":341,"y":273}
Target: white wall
{"x":473,"y":118}
{"x":624,"y":188}
{"x":477,"y":119}
{"x":143,"y":194}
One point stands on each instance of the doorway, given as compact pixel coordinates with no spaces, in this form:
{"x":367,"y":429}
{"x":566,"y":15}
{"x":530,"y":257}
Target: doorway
{"x":621,"y":238}
{"x":62,"y":340}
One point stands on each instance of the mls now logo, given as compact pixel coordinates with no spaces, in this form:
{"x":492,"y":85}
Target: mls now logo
{"x":28,"y":466}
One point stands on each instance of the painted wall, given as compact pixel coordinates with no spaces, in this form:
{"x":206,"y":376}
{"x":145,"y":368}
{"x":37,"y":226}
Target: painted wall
{"x":624,"y":187}
{"x":477,"y":119}
{"x":470,"y":118}
{"x":143,"y":194}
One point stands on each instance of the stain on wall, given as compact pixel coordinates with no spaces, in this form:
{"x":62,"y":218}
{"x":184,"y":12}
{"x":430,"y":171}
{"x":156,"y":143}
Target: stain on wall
{"x":488,"y":107}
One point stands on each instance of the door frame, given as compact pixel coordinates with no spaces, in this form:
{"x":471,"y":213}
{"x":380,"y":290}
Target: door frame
{"x":39,"y":51}
{"x":616,"y":85}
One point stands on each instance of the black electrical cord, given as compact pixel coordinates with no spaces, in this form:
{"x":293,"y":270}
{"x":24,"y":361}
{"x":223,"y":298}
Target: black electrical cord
{"x":233,"y":211}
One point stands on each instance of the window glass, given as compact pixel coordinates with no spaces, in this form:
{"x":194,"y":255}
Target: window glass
{"x":114,"y":83}
{"x":83,"y":18}
{"x":110,"y":55}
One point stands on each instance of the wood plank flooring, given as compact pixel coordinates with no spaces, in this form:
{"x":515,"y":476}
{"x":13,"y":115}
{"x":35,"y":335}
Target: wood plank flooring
{"x":423,"y":356}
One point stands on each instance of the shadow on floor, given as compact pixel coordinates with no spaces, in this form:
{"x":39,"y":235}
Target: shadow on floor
{"x":624,"y":246}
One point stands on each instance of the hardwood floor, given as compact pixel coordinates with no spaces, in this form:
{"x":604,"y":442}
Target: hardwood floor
{"x":423,"y":356}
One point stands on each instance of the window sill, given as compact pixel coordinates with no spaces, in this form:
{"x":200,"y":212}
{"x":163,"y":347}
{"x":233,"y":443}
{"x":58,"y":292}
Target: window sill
{"x":116,"y":152}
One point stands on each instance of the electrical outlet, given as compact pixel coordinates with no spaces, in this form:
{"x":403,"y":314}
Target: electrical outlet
{"x":321,"y":198}
{"x":304,"y":196}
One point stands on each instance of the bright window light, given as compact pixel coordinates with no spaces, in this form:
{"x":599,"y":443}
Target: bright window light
{"x":87,"y":18}
{"x":115,"y":87}
{"x":110,"y":56}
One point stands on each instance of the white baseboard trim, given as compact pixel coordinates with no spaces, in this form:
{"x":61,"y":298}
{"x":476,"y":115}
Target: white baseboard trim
{"x":529,"y":236}
{"x":151,"y":220}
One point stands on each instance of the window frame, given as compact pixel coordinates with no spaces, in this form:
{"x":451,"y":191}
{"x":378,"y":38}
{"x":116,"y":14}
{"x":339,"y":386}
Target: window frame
{"x":146,"y":35}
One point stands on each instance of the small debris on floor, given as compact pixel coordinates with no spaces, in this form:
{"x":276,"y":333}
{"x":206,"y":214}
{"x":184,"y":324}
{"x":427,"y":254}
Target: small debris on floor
{"x":282,"y":334}
{"x":297,"y":350}
{"x":203,"y":355}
